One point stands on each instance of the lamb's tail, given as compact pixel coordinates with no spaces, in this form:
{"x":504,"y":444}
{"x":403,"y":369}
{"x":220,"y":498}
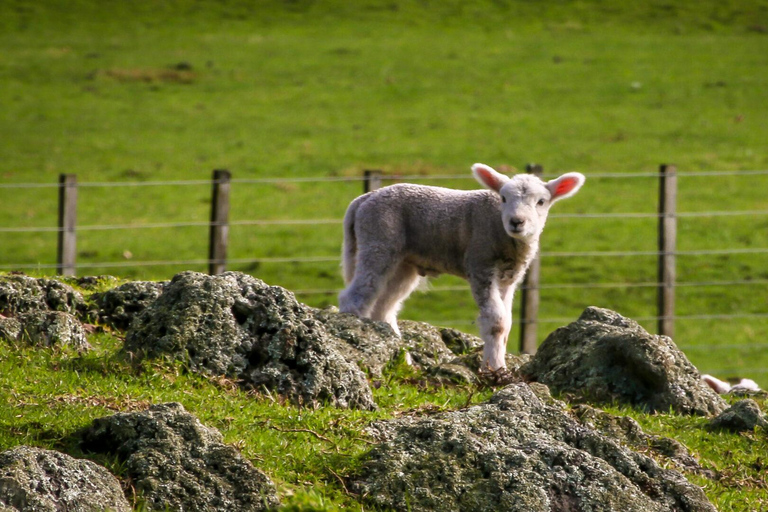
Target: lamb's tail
{"x":349,"y":251}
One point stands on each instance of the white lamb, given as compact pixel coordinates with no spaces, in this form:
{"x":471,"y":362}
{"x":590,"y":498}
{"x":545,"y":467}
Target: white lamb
{"x":396,"y":235}
{"x":723,"y":387}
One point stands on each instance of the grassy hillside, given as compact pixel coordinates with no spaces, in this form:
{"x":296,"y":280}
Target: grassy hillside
{"x":149,"y":91}
{"x":48,"y":395}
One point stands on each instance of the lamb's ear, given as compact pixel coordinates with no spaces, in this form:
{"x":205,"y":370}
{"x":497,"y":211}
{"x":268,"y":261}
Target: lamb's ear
{"x":566,"y":185}
{"x":488,"y":177}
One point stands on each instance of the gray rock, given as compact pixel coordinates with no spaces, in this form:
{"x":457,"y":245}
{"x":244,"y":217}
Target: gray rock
{"x":742,"y":416}
{"x":627,"y":431}
{"x":92,"y":283}
{"x":467,"y":369}
{"x":460,"y":343}
{"x":454,"y":372}
{"x":37,"y":480}
{"x":236,"y":325}
{"x":45,"y":329}
{"x":515,"y":453}
{"x":177,"y":463}
{"x":22,"y":294}
{"x":605,"y":357}
{"x":119,"y":306}
{"x":473,"y":361}
{"x":442,"y":353}
{"x":425,"y":344}
{"x":41,"y":312}
{"x":370,"y":345}
{"x":373,"y":345}
{"x":376,"y":345}
{"x":10,"y":328}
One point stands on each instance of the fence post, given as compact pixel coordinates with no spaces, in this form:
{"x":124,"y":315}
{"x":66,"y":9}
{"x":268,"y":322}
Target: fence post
{"x":66,"y":251}
{"x":371,"y":180}
{"x":667,"y":249}
{"x":529,"y":307}
{"x":219,"y":234}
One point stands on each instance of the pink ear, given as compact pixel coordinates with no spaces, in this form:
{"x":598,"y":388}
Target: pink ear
{"x":488,"y":177}
{"x":566,"y":185}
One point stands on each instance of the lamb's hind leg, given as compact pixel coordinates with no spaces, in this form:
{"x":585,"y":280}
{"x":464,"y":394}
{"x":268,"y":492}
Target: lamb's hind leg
{"x":398,"y":288}
{"x":372,"y":272}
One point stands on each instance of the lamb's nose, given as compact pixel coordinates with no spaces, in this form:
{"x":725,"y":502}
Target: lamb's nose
{"x":516,"y":224}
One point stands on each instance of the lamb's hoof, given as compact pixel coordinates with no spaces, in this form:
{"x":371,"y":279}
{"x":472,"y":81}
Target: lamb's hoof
{"x":499,"y":377}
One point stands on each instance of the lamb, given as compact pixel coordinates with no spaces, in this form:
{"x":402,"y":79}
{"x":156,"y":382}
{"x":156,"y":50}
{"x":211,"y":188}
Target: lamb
{"x":396,"y":236}
{"x":723,"y":387}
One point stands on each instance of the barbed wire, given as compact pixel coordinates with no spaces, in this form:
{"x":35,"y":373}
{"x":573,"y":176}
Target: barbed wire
{"x":165,"y":225}
{"x":172,"y":263}
{"x":734,"y":371}
{"x":113,"y":184}
{"x":418,"y":177}
{"x":621,"y":254}
{"x":734,"y":346}
{"x":642,"y":215}
{"x":560,"y":286}
{"x":325,"y":259}
{"x":565,"y":320}
{"x":386,"y":177}
{"x":310,"y":222}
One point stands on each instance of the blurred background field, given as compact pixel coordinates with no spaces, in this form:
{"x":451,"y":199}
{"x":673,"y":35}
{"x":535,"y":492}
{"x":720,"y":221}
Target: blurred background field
{"x":136,"y":97}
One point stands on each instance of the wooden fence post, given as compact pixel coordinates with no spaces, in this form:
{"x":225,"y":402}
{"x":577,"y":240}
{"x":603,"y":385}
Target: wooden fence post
{"x":66,"y":251}
{"x":667,"y":249}
{"x":371,"y":181}
{"x":219,"y":233}
{"x":529,"y":307}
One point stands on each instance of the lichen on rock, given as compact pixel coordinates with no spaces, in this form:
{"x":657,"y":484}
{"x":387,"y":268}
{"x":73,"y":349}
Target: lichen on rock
{"x":742,"y":416}
{"x":368,"y":344}
{"x":236,"y":325}
{"x":41,"y":313}
{"x":175,"y":462}
{"x":443,"y":354}
{"x":38,"y":480}
{"x":44,"y":329}
{"x":605,"y":357}
{"x":372,"y":345}
{"x":627,"y":431}
{"x":23,"y":294}
{"x":118,"y":306}
{"x":515,"y":453}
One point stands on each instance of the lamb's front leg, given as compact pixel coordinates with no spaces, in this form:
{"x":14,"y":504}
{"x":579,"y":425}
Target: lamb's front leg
{"x":507,"y":294}
{"x":495,"y":320}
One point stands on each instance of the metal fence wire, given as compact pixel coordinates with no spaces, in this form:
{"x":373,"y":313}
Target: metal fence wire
{"x":219,"y":224}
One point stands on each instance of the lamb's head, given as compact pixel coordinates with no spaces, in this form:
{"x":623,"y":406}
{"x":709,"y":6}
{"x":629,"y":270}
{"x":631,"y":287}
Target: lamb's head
{"x":526,"y":199}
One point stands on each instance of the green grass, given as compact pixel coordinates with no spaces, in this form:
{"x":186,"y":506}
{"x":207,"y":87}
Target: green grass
{"x":148,"y":91}
{"x":736,"y":458}
{"x":48,"y":396}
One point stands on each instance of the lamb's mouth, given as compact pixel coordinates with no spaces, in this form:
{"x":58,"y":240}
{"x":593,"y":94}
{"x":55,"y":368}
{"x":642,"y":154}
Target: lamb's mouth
{"x":519,"y":234}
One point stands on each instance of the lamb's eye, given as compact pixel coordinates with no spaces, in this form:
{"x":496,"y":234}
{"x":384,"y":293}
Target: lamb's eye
{"x":503,"y":199}
{"x":540,"y":203}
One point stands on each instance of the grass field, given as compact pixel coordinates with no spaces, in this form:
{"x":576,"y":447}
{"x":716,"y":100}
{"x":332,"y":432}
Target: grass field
{"x":148,"y":91}
{"x":48,"y":396}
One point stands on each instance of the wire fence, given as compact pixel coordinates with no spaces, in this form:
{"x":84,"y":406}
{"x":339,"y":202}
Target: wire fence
{"x":310,"y":222}
{"x":746,"y":281}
